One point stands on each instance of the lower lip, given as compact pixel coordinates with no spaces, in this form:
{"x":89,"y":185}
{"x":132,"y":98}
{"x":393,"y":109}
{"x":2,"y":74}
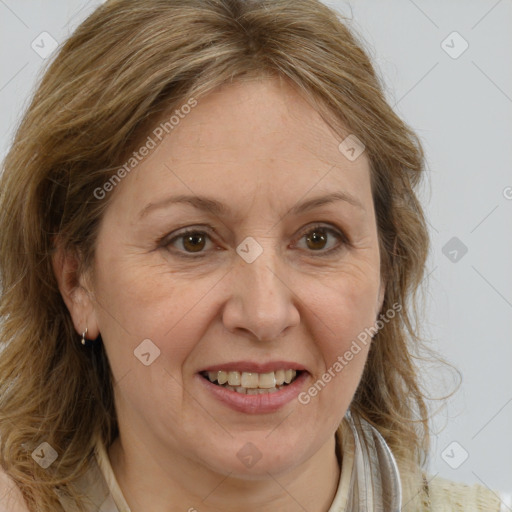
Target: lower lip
{"x":256,"y":404}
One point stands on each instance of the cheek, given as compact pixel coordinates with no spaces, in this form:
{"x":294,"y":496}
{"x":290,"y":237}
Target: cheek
{"x":345,"y":306}
{"x":139,"y":301}
{"x":342,"y":314}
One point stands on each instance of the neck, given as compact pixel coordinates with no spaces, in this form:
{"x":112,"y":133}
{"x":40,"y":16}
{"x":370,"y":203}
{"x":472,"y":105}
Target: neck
{"x":188,"y":486}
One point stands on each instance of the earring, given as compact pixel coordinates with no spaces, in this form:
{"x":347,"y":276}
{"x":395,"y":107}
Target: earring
{"x":83,"y":336}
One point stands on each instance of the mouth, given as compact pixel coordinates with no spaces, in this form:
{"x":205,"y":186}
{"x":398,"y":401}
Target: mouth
{"x":252,"y":383}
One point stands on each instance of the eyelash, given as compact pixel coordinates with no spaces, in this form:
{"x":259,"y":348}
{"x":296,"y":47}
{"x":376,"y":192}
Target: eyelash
{"x":165,"y":242}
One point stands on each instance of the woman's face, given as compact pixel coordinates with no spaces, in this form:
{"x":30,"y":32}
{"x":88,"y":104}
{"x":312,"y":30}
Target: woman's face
{"x":276,"y":274}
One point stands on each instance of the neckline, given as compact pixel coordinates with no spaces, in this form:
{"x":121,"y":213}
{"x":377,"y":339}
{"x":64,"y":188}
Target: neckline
{"x":105,"y":467}
{"x":339,"y":503}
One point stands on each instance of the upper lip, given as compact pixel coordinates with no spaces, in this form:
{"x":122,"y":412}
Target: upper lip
{"x":254,"y":367}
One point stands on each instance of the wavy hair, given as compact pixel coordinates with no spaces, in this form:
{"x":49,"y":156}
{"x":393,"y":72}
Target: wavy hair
{"x":126,"y":65}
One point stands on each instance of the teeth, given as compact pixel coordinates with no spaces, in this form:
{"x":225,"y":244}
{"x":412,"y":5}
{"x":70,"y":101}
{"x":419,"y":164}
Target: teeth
{"x":280,"y":377}
{"x":222,"y":377}
{"x":252,"y":383}
{"x":234,"y":378}
{"x":250,"y":380}
{"x":267,"y":380}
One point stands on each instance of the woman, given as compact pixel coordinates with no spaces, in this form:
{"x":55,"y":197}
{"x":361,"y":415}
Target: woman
{"x":211,"y":244}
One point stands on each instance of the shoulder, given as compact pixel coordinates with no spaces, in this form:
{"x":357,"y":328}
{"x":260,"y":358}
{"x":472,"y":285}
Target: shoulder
{"x":448,"y":495}
{"x":433,"y":493}
{"x":11,"y":499}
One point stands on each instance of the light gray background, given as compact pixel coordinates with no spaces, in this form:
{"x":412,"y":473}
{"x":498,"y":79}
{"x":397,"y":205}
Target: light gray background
{"x":462,"y":109}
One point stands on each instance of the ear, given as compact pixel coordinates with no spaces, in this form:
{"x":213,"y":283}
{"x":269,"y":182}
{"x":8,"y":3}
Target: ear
{"x":75,"y":291}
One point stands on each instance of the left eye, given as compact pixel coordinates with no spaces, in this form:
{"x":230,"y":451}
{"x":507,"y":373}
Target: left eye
{"x":317,"y":238}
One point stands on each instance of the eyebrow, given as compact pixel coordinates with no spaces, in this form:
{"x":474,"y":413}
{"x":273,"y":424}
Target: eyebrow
{"x":217,"y":208}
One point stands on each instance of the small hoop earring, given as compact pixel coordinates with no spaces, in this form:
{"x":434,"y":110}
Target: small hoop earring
{"x":83,"y":336}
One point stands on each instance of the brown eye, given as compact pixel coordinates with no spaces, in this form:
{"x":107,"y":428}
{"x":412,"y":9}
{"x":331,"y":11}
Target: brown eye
{"x":193,"y":242}
{"x":322,"y":239}
{"x":188,"y":243}
{"x":317,"y":239}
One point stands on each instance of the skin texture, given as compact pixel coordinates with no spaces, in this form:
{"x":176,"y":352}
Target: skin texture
{"x":259,"y":148}
{"x":11,"y":499}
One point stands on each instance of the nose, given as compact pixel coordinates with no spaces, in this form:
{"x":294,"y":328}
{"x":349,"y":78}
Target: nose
{"x":260,"y":302}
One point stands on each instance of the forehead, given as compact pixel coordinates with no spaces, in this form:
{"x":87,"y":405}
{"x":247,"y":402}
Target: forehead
{"x":246,"y":139}
{"x":254,"y":120}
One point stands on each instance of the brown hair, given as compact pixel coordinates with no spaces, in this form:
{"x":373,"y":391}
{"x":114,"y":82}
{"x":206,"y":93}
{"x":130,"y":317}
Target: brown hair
{"x":126,"y":65}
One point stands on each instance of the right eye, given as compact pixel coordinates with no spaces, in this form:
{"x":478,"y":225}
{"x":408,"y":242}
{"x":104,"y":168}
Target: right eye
{"x":188,"y":242}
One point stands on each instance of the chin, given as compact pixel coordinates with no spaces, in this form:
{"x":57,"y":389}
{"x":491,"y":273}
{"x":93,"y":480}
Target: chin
{"x":254,"y":460}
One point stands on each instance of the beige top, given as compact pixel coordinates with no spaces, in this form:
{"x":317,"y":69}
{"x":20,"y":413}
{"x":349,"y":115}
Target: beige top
{"x":101,"y":486}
